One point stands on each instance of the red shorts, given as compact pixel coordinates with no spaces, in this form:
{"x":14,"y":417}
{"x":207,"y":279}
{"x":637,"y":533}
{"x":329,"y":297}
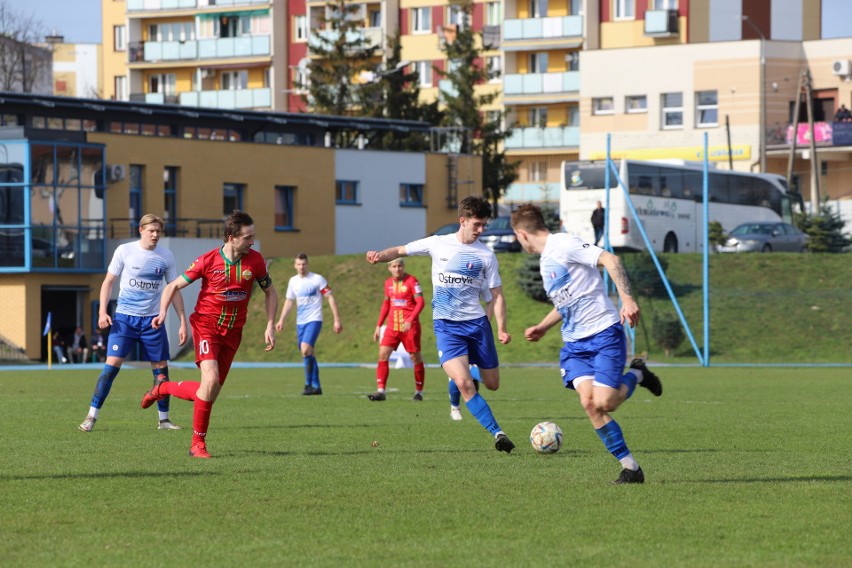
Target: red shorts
{"x":215,"y":343}
{"x":410,"y":340}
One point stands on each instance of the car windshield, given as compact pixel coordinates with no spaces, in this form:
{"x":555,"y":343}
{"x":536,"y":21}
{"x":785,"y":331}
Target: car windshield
{"x":752,"y":229}
{"x":500,"y":223}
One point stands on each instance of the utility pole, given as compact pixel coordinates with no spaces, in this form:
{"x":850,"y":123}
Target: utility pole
{"x":804,"y":90}
{"x":762,"y":126}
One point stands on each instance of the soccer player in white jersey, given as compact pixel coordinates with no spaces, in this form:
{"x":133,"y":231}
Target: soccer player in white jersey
{"x":461,"y":266}
{"x":142,"y":268}
{"x":595,"y":349}
{"x":306,"y":290}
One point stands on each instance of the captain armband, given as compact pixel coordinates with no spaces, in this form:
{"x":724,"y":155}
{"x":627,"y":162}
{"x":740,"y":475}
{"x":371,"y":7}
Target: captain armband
{"x":265,"y":282}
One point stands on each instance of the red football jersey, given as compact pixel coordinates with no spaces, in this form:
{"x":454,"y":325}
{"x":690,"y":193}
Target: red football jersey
{"x":401,"y":294}
{"x":225,"y":286}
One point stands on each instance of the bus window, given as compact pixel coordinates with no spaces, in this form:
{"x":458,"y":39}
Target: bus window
{"x":644,"y":179}
{"x":671,"y":183}
{"x":719,"y":187}
{"x":586,"y":176}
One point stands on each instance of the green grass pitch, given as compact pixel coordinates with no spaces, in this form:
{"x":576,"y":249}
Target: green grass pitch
{"x":744,"y":467}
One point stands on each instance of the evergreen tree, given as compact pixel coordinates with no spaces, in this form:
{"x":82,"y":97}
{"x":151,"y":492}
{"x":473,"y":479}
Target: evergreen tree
{"x":343,"y":62}
{"x":463,"y":107}
{"x":825,"y":229}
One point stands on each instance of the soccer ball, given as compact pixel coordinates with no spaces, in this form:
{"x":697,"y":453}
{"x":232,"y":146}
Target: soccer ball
{"x":546,"y":438}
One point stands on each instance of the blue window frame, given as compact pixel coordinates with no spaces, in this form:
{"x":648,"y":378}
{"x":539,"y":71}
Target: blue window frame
{"x":411,"y":194}
{"x":285,"y":196}
{"x":170,"y":188}
{"x":232,"y":197}
{"x":347,"y":192}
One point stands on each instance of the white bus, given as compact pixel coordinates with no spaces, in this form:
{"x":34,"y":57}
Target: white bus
{"x":668,"y":199}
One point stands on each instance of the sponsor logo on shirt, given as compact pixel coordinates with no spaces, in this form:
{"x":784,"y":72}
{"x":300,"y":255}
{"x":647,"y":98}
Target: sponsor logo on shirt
{"x":454,"y":279}
{"x":144,"y":284}
{"x":246,"y":274}
{"x":233,"y":295}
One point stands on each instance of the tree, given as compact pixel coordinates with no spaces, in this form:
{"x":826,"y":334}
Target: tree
{"x":24,"y":66}
{"x":825,"y":229}
{"x":463,"y":106}
{"x":343,"y":67}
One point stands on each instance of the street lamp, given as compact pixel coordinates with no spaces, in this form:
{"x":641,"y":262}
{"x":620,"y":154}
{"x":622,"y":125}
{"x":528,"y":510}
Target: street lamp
{"x":762,"y":130}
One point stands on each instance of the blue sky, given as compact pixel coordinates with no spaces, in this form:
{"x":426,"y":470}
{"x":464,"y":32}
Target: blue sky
{"x":80,"y":20}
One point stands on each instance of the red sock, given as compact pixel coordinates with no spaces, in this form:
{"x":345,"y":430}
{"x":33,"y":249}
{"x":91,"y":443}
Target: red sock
{"x":200,"y":420}
{"x":419,"y":376}
{"x":382,"y":374}
{"x":184,"y":389}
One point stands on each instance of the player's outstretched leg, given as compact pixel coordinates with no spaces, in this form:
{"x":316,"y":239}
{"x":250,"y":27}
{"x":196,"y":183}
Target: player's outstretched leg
{"x":482,"y":412}
{"x":613,"y":439}
{"x":155,"y":393}
{"x":648,"y":379}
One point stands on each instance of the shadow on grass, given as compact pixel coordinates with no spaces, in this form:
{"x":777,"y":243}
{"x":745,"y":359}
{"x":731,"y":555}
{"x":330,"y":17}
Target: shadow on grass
{"x":117,"y":474}
{"x":385,"y":450}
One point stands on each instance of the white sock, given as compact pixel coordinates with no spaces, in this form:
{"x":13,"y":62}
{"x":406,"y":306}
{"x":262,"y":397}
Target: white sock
{"x":163,"y":415}
{"x":381,"y":390}
{"x":93,"y":412}
{"x":629,"y":462}
{"x":499,"y":432}
{"x":639,"y":375}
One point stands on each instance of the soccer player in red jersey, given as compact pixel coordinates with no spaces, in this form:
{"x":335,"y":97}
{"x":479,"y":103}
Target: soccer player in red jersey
{"x":404,"y":302}
{"x":227,"y":275}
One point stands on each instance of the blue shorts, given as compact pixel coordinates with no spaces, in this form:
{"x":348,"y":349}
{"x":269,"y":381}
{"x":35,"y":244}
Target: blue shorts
{"x":128,"y":331}
{"x":601,"y":355}
{"x":308,"y":333}
{"x":472,"y":338}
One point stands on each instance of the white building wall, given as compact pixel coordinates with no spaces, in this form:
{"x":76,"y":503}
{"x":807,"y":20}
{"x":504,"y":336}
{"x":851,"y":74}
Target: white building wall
{"x":378,"y":221}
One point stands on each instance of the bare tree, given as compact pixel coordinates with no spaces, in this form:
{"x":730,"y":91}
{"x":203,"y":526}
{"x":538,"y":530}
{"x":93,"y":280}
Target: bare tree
{"x":24,"y":65}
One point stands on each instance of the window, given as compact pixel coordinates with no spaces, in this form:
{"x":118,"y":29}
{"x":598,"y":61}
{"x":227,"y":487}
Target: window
{"x":376,"y":19}
{"x":492,"y":14}
{"x":537,"y":171}
{"x":120,"y":82}
{"x":538,"y":62}
{"x":232,"y":197}
{"x":706,"y":108}
{"x":576,"y":7}
{"x":424,"y":73}
{"x":137,"y":183}
{"x":284,"y":198}
{"x":537,"y":117}
{"x":602,"y":105}
{"x":538,"y":8}
{"x":494,"y":65}
{"x":119,"y":38}
{"x":234,"y":80}
{"x":162,"y":83}
{"x":300,"y":25}
{"x":572,"y":61}
{"x":422,"y":17}
{"x":625,"y":9}
{"x":672,"y":113}
{"x":635,"y":104}
{"x":662,"y":4}
{"x":456,"y":16}
{"x":347,"y":192}
{"x":411,"y":195}
{"x":573,"y":116}
{"x":170,"y":188}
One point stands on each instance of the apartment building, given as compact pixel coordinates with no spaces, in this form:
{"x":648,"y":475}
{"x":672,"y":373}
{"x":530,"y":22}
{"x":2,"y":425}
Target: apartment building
{"x":224,"y":54}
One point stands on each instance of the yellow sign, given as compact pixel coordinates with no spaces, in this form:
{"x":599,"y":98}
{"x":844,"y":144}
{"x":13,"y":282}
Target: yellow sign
{"x":693,"y":153}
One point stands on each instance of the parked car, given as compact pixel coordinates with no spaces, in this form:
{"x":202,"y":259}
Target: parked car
{"x":499,"y":236}
{"x":446,"y":229}
{"x":766,"y":237}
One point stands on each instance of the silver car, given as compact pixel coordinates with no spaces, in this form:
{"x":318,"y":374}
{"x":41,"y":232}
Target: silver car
{"x":766,"y":237}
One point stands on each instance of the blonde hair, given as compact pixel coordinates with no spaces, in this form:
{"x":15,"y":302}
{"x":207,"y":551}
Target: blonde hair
{"x":149,"y":218}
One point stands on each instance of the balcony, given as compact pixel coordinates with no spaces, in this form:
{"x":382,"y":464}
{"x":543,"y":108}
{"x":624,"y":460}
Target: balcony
{"x":238,"y":99}
{"x":154,"y":5}
{"x":371,"y":36}
{"x":554,"y":28}
{"x":661,"y":23}
{"x":541,"y":83}
{"x":215,"y":48}
{"x":548,"y":137}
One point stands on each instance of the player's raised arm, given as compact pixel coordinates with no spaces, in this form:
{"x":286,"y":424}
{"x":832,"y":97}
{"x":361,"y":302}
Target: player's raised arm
{"x":374,"y":257}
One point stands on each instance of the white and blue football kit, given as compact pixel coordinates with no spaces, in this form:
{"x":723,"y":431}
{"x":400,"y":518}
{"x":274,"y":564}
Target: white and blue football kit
{"x":594,"y":342}
{"x":142,"y":276}
{"x":459,"y":273}
{"x":307,"y":291}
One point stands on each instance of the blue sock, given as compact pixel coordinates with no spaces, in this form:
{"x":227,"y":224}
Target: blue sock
{"x":163,"y":404}
{"x":629,"y":379}
{"x":455,"y":393}
{"x":104,"y":384}
{"x":482,"y":412}
{"x":612,"y":437}
{"x":315,"y":376}
{"x":311,"y":372}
